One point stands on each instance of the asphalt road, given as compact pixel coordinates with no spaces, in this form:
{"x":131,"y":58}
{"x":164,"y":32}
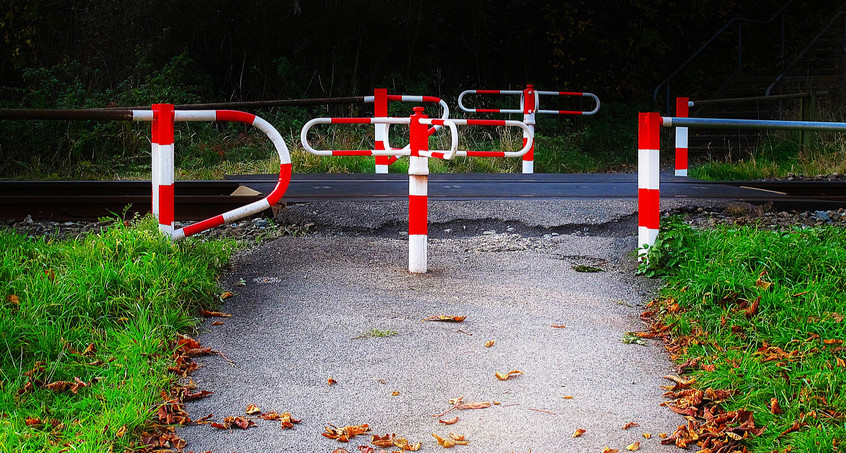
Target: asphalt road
{"x":307,"y":300}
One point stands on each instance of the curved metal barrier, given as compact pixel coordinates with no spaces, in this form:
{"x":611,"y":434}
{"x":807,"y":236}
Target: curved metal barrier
{"x":529,"y":106}
{"x":418,"y":169}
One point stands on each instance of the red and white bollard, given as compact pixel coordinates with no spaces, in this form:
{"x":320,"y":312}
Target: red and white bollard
{"x":380,"y":110}
{"x":648,"y":176}
{"x":418,"y":194}
{"x":529,"y":108}
{"x":682,"y":111}
{"x":163,"y":162}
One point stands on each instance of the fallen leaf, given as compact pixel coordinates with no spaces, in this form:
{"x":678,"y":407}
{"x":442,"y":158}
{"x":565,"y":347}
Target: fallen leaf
{"x":610,"y":450}
{"x":567,"y":397}
{"x":796,"y":427}
{"x":632,"y":338}
{"x":403,"y":444}
{"x":446,"y":443}
{"x":395,"y":393}
{"x":578,"y":432}
{"x":215,"y":314}
{"x":832,"y":341}
{"x":753,"y":308}
{"x":663,"y":435}
{"x":340,"y":450}
{"x":217,"y":323}
{"x":477,"y":405}
{"x":630,"y":425}
{"x":840,"y":362}
{"x":456,"y":401}
{"x":837,"y":317}
{"x":34,"y":422}
{"x":332,"y":381}
{"x":633,"y":447}
{"x":346,"y":433}
{"x":489,"y":343}
{"x":383,"y":441}
{"x":559,"y":326}
{"x":451,"y":421}
{"x":252,"y":409}
{"x":196,"y":395}
{"x":446,"y":318}
{"x":234,"y":422}
{"x":13,"y":299}
{"x":90,"y":350}
{"x":456,"y":437}
{"x":510,"y":374}
{"x":761,"y":283}
{"x":775,"y":408}
{"x":226,"y":295}
{"x":50,"y":275}
{"x":121,"y":432}
{"x":365,"y":449}
{"x":647,"y":435}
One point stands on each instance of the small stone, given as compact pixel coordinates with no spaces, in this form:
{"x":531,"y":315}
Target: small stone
{"x":448,"y":230}
{"x":510,"y":229}
{"x":260,"y":222}
{"x":488,"y":232}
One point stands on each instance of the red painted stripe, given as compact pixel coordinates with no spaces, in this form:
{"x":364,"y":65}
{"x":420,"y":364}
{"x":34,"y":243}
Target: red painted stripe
{"x":682,"y":109}
{"x":162,"y":125}
{"x":432,"y":131}
{"x":681,"y":158}
{"x":485,"y":154}
{"x":353,"y":152}
{"x":486,"y":122}
{"x":431,"y":99}
{"x":437,"y":122}
{"x":203,"y":225}
{"x":418,"y":221}
{"x":528,"y":101}
{"x":394,"y":97}
{"x":571,"y":93}
{"x":281,"y":185}
{"x":350,"y":120}
{"x":648,"y":208}
{"x":488,"y":91}
{"x":648,"y":130}
{"x":166,"y":205}
{"x":234,"y":115}
{"x":530,"y":154}
{"x":439,"y":155}
{"x":570,"y":112}
{"x":392,"y":159}
{"x":488,"y":110}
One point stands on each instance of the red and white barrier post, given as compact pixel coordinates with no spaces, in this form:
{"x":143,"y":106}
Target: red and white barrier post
{"x":418,"y":194}
{"x":380,"y":110}
{"x":648,"y":168}
{"x":682,"y":111}
{"x":163,"y":162}
{"x":529,"y":108}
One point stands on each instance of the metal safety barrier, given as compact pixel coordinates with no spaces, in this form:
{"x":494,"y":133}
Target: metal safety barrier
{"x":529,"y":106}
{"x":162,"y":117}
{"x":380,"y":101}
{"x":418,"y":169}
{"x":648,"y":169}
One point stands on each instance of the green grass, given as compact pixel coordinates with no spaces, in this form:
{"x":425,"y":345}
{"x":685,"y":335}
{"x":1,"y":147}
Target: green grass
{"x":710,"y":273}
{"x":127,"y":290}
{"x":377,"y":333}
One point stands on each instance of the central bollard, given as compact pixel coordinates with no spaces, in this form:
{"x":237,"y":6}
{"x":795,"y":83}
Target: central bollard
{"x":418,"y":194}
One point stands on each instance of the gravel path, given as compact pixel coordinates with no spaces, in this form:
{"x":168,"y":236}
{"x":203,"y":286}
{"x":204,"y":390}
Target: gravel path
{"x":307,"y":301}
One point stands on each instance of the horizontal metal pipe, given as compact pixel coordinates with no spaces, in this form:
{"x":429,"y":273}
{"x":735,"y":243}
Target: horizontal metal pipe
{"x":264,"y":104}
{"x":67,"y":114}
{"x":720,"y":123}
{"x":778,"y":97}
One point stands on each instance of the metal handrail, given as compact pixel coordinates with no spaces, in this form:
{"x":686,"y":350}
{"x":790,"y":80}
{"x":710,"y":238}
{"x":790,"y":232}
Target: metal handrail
{"x":709,"y":41}
{"x":801,"y":54}
{"x":778,"y":97}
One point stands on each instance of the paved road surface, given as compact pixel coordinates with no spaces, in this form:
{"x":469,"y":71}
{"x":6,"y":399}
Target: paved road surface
{"x":295,"y":324}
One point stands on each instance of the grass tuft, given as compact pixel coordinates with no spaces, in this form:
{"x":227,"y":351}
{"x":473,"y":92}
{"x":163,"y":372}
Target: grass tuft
{"x":99,"y":309}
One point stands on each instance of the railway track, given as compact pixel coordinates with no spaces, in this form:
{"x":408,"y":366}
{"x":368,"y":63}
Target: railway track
{"x":196,"y":200}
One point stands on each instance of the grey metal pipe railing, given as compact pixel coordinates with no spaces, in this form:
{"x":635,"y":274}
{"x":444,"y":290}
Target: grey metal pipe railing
{"x":723,"y":123}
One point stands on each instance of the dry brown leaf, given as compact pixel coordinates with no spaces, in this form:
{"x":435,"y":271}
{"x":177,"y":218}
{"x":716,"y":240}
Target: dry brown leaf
{"x":446,"y":443}
{"x":451,"y":421}
{"x":340,"y":450}
{"x":34,"y":422}
{"x":287,"y":421}
{"x":578,"y":433}
{"x":214,"y":314}
{"x":840,"y":362}
{"x":630,"y":425}
{"x":217,"y":323}
{"x":332,"y":381}
{"x":753,"y":308}
{"x":647,"y":435}
{"x":567,"y":397}
{"x":252,"y":409}
{"x":761,"y":283}
{"x":610,"y":450}
{"x":121,"y":432}
{"x":477,"y":405}
{"x":457,"y":437}
{"x":395,"y":393}
{"x":662,"y":435}
{"x":775,"y":408}
{"x":90,"y":350}
{"x":443,"y":318}
{"x":832,"y":341}
{"x":837,"y":317}
{"x":403,"y":444}
{"x":456,"y":401}
{"x":234,"y":422}
{"x":193,"y":396}
{"x":506,"y":376}
{"x":633,"y":447}
{"x":559,"y":326}
{"x":489,"y":343}
{"x":13,"y":299}
{"x":226,"y":295}
{"x":346,"y":433}
{"x":383,"y":441}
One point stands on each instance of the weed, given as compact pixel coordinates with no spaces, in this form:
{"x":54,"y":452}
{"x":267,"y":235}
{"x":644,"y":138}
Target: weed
{"x":376,"y":333}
